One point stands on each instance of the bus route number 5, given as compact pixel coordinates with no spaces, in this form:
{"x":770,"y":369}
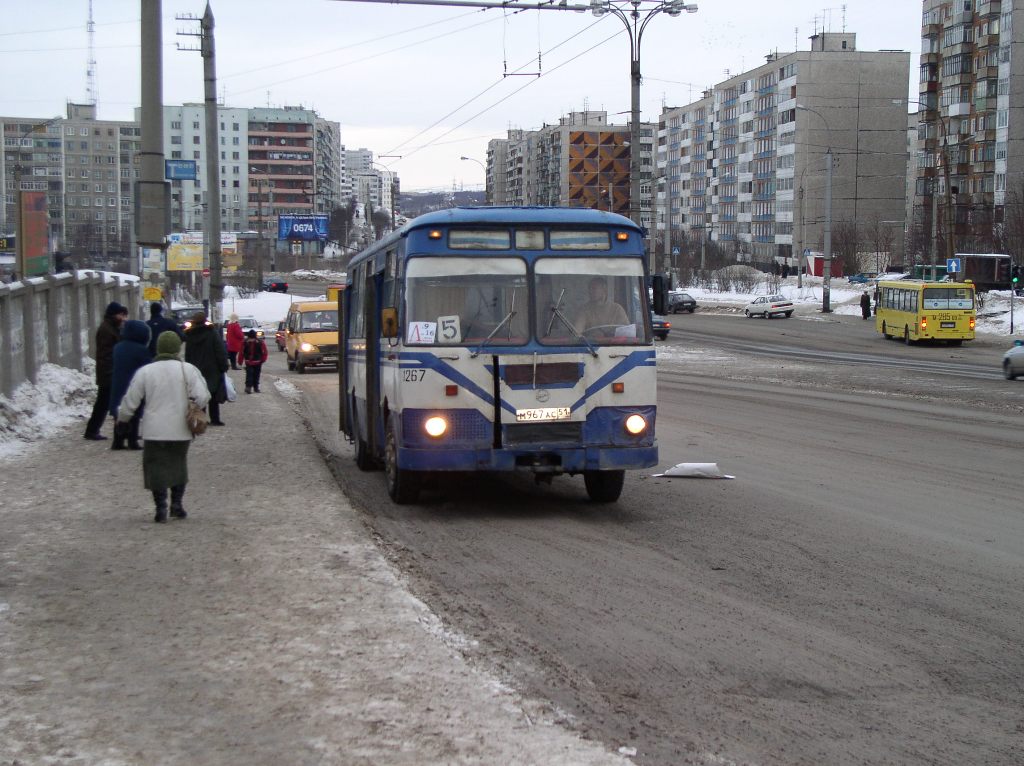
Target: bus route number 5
{"x":449,"y":329}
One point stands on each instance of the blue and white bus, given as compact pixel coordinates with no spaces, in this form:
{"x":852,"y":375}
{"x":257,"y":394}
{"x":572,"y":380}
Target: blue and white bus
{"x":501,"y":339}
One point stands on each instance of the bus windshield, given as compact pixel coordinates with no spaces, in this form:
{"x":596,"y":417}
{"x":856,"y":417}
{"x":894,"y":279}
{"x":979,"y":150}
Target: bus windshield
{"x":948,"y":298}
{"x":459,"y":301}
{"x":597,"y":299}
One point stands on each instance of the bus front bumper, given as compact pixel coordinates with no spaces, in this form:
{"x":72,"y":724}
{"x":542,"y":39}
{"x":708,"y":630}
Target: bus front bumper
{"x":554,"y":461}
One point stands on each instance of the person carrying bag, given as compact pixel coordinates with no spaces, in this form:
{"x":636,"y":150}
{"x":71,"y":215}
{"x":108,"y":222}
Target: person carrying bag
{"x":172,"y":390}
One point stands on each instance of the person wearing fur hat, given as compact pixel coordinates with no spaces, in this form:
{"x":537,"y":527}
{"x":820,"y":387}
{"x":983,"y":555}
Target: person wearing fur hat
{"x":165,"y":385}
{"x":205,"y":349}
{"x":107,"y":335}
{"x":130,"y":353}
{"x":235,"y":339}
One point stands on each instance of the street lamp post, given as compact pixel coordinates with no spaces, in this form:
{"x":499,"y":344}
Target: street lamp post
{"x":826,"y":271}
{"x":635,"y":20}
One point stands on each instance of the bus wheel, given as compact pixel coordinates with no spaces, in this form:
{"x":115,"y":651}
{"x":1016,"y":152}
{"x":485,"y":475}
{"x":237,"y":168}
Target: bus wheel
{"x":403,"y":485}
{"x":291,"y":364}
{"x":885,"y":333}
{"x":364,"y":461}
{"x":604,"y":486}
{"x":906,"y":336}
{"x":299,"y":366}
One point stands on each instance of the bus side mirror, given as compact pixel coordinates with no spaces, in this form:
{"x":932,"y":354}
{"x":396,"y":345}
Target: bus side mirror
{"x":389,"y":322}
{"x":659,"y":286}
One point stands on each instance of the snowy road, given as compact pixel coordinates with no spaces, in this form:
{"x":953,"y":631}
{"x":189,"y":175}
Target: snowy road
{"x":853,"y":597}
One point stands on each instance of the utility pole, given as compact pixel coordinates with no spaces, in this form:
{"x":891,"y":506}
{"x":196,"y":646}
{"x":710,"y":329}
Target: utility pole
{"x":152,"y":192}
{"x":826,"y":282}
{"x":213,"y":287}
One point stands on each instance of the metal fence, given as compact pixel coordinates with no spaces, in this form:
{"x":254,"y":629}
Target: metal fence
{"x":53,"y":319}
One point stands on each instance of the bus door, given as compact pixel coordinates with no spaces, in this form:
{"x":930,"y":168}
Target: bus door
{"x":371,"y":321}
{"x":344,"y":416}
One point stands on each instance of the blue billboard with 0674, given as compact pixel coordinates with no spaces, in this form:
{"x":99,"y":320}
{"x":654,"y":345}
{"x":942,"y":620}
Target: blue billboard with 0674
{"x":302,"y":227}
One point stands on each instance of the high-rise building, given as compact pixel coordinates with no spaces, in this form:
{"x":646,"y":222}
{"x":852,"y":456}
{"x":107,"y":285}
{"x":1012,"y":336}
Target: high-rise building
{"x":88,"y":169}
{"x":745,"y":165}
{"x":583,"y":161}
{"x":970,"y":135}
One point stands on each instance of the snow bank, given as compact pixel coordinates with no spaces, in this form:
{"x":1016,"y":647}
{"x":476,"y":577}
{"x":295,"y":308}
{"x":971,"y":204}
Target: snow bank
{"x":40,"y":411}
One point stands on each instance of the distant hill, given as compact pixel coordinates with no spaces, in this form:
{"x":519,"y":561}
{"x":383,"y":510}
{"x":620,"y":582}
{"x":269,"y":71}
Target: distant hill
{"x":417,"y":203}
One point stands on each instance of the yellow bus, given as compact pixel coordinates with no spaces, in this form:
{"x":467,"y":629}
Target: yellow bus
{"x":916,"y":310}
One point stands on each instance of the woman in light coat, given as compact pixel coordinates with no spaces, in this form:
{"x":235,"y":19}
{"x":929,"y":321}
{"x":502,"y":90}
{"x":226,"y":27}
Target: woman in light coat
{"x":165,"y":385}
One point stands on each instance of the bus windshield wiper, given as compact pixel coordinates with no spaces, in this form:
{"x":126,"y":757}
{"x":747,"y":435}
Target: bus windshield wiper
{"x":557,"y":312}
{"x":508,"y":318}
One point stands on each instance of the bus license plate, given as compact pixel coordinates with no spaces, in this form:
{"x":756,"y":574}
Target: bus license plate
{"x":947,"y":325}
{"x":543,"y":413}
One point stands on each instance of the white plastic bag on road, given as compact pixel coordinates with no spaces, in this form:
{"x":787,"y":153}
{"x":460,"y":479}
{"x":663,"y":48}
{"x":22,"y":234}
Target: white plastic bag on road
{"x":695,"y":471}
{"x":229,"y":388}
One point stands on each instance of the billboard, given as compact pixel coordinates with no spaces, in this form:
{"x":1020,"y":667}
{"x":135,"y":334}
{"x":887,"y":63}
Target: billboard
{"x":180,"y":170}
{"x":302,"y":227}
{"x":185,"y":251}
{"x":35,"y":240}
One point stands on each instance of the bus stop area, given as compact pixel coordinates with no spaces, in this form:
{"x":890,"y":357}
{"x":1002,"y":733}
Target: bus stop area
{"x":266,"y":628}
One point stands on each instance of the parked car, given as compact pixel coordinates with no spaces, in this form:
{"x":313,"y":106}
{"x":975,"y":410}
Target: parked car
{"x":280,"y":335}
{"x":863,"y":277}
{"x":768,"y":306}
{"x":1013,"y":361}
{"x":274,"y":286}
{"x":660,"y":326}
{"x":680,"y":301}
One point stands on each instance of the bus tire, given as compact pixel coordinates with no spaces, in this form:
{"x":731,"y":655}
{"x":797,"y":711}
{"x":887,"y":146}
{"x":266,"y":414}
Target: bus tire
{"x":403,"y":485}
{"x":885,"y":333}
{"x":364,"y":461}
{"x":291,"y":363}
{"x":604,"y":486}
{"x":906,"y":336}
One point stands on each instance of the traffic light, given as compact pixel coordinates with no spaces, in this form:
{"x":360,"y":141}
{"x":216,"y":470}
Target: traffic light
{"x":1015,"y":276}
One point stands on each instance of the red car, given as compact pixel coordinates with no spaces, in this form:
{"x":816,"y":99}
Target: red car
{"x":279,"y":336}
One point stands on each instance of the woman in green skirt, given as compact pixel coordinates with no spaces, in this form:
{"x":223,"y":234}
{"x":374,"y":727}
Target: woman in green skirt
{"x":165,"y":386}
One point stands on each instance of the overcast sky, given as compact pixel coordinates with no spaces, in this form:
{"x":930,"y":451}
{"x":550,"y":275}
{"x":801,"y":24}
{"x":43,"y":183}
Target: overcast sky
{"x":426,"y":82}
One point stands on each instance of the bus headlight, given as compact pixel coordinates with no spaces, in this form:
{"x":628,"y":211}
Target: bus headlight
{"x":636,"y":424}
{"x":307,"y":348}
{"x":435,"y":426}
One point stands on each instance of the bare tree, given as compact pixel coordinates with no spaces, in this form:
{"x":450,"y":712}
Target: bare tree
{"x":845,"y":244}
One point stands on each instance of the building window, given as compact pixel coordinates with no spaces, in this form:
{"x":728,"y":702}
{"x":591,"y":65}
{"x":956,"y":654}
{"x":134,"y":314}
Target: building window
{"x":175,"y":124}
{"x":195,"y":139}
{"x":195,"y":155}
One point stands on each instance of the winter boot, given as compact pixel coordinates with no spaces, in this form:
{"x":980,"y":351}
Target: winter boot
{"x":134,"y":444}
{"x":248,"y":389}
{"x":160,"y":498}
{"x":177,"y":494}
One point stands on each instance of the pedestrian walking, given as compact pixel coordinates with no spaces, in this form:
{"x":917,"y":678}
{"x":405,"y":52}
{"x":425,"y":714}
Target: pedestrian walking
{"x":235,"y":339}
{"x":865,"y":305}
{"x":252,"y":356}
{"x":107,"y":335}
{"x":165,"y":385}
{"x":130,"y":353}
{"x":205,"y":349}
{"x":158,"y":324}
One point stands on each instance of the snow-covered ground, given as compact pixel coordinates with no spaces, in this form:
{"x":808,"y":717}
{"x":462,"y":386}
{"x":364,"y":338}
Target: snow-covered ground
{"x":60,"y":397}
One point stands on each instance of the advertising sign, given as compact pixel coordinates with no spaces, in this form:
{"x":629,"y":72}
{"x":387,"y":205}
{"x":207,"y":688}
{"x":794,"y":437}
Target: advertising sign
{"x":34,"y":245}
{"x":184,"y":256}
{"x":8,"y":244}
{"x":302,"y":227}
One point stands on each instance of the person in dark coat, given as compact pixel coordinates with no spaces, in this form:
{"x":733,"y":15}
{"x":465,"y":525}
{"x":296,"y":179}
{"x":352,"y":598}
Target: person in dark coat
{"x":205,"y":349}
{"x":865,"y":306}
{"x":107,"y":335}
{"x":158,"y":323}
{"x":130,"y":353}
{"x":253,"y":354}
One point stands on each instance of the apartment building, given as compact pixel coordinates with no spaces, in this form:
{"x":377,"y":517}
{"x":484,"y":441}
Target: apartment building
{"x":86,"y":166}
{"x":583,"y":161}
{"x":969,"y":129}
{"x":745,"y":165}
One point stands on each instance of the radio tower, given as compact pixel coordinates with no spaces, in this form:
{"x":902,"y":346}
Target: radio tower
{"x":90,"y":70}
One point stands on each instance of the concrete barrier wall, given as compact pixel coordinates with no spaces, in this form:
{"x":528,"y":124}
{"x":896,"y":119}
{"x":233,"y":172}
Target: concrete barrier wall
{"x":54,"y":319}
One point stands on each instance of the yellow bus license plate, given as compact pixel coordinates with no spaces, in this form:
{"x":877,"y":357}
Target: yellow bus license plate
{"x":543,"y":413}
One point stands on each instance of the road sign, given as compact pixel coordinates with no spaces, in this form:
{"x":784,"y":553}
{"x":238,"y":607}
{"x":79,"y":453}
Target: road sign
{"x":675,"y":251}
{"x":152,"y":294}
{"x":206,"y":272}
{"x":952,"y":265}
{"x":180,"y":170}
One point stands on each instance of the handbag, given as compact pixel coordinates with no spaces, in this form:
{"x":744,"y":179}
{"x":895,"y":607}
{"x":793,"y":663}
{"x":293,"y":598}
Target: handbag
{"x":195,"y":416}
{"x":229,"y":388}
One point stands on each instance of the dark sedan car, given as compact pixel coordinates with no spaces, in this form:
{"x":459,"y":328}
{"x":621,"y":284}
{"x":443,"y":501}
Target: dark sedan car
{"x":274,"y":286}
{"x":660,"y":326}
{"x":680,"y":301}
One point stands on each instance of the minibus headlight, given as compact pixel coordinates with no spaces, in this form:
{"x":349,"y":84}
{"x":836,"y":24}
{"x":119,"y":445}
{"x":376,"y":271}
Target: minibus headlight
{"x":435,"y":426}
{"x":636,"y":424}
{"x":307,"y":348}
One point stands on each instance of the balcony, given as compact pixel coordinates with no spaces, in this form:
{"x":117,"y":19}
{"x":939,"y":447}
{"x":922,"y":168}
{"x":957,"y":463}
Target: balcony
{"x":931,"y":30}
{"x":989,"y":8}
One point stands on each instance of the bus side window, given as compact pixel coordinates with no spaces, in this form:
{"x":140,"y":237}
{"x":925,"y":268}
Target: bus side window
{"x":357,"y":323}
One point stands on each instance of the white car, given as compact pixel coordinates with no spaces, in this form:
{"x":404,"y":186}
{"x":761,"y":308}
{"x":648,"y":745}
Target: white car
{"x":1013,"y":361}
{"x":768,"y":306}
{"x":247,"y":323}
